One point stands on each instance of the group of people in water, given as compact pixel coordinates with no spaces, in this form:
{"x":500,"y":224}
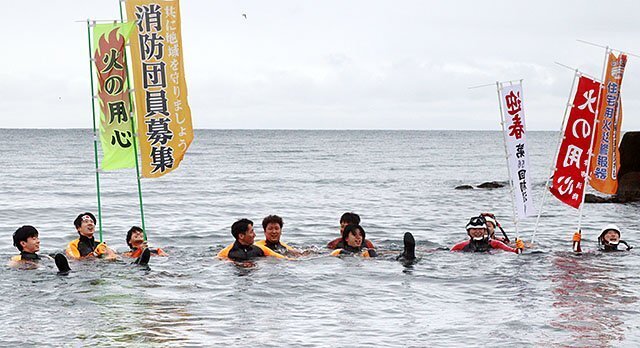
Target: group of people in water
{"x":352,"y":241}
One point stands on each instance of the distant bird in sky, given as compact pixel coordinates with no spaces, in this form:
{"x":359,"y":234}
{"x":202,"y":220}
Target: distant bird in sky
{"x":244,"y":15}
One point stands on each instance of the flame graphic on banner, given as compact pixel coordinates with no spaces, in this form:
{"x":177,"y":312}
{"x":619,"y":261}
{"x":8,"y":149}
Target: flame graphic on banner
{"x":112,"y":75}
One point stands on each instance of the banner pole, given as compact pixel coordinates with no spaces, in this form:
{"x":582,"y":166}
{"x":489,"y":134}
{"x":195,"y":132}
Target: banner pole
{"x":552,"y":168}
{"x":506,"y":156}
{"x":95,"y":136}
{"x":593,"y":138}
{"x":135,"y":137}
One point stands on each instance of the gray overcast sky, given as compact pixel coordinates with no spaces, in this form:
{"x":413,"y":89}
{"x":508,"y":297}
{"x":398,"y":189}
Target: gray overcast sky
{"x":332,"y":64}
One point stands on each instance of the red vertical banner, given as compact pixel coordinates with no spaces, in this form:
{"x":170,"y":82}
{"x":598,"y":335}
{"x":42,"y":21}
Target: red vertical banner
{"x":605,"y":161}
{"x":570,"y":171}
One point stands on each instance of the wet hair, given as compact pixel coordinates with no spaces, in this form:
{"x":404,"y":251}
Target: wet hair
{"x":78,"y":221}
{"x":352,"y":228}
{"x":130,"y":233}
{"x":272,"y":219}
{"x":22,"y":234}
{"x":350,"y":218}
{"x":240,"y":226}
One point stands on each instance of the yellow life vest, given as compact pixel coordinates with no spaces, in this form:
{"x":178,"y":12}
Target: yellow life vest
{"x":364,"y":253}
{"x":224,"y":253}
{"x":264,"y":244}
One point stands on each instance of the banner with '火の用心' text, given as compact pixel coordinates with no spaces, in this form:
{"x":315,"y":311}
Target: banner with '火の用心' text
{"x":116,"y":133}
{"x":570,"y":172}
{"x":163,"y":114}
{"x":517,"y":152}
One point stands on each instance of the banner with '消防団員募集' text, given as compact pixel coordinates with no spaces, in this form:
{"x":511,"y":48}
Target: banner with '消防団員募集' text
{"x":163,"y":114}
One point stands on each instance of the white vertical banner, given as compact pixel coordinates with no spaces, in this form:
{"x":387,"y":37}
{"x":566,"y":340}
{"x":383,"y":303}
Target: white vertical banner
{"x":516,"y":147}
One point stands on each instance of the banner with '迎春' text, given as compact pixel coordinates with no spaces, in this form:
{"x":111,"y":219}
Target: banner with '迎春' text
{"x":517,"y":152}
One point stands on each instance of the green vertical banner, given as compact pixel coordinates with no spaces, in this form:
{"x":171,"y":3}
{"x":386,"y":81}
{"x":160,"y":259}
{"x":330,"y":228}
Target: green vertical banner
{"x":116,"y":134}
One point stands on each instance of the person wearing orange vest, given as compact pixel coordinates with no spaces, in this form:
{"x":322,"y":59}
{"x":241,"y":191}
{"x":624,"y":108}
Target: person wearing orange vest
{"x":137,"y":244}
{"x":347,"y":219}
{"x":353,"y":237}
{"x":243,"y":249}
{"x":27,"y":240}
{"x":85,"y":246}
{"x":272,"y":226}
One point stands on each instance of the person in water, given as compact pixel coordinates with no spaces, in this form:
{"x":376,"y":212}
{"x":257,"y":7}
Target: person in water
{"x":492,"y":223}
{"x":353,"y":237}
{"x":85,"y":246}
{"x":137,"y":244}
{"x":347,"y":219}
{"x":243,"y":249}
{"x":479,"y":240}
{"x":272,"y":226}
{"x":27,"y":240}
{"x":609,"y":240}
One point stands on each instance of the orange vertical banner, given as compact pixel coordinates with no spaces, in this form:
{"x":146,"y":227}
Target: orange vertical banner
{"x":163,"y":114}
{"x":605,"y":162}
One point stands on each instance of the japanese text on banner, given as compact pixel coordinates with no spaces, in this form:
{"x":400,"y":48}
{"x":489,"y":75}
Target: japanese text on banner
{"x":515,"y":141}
{"x":570,"y":173}
{"x":162,"y":110}
{"x":116,"y":136}
{"x":605,"y":161}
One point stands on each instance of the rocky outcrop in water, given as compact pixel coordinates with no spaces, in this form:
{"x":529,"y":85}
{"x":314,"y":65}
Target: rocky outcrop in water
{"x":485,"y":185}
{"x":629,"y":174}
{"x":492,"y":185}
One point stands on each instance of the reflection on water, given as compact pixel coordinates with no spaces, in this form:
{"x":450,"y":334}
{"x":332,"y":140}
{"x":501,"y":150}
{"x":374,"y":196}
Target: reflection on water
{"x":398,"y":181}
{"x":589,"y":297}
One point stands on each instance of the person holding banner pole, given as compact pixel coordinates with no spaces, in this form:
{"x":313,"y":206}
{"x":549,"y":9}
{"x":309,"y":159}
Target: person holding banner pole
{"x":85,"y":245}
{"x":608,"y":241}
{"x":479,"y":240}
{"x":576,"y":239}
{"x":135,"y":143}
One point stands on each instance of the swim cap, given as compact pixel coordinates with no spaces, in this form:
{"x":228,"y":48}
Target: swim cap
{"x":489,"y":218}
{"x":476,"y":222}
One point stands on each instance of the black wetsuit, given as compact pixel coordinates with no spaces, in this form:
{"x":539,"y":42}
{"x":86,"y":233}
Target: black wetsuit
{"x":241,"y":252}
{"x":277,"y":247}
{"x":25,"y":256}
{"x":614,"y":247}
{"x":346,"y":249}
{"x":87,"y":245}
{"x":477,"y":246}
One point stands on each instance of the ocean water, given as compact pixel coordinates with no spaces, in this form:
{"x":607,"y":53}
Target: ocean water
{"x":397,"y":181}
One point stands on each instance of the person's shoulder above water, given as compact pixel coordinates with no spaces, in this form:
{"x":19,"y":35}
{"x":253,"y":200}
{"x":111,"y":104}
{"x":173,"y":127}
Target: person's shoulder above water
{"x":479,"y":240}
{"x":352,"y":243}
{"x":136,"y":241}
{"x":85,"y":246}
{"x":27,"y":240}
{"x":243,"y":248}
{"x":608,"y":240}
